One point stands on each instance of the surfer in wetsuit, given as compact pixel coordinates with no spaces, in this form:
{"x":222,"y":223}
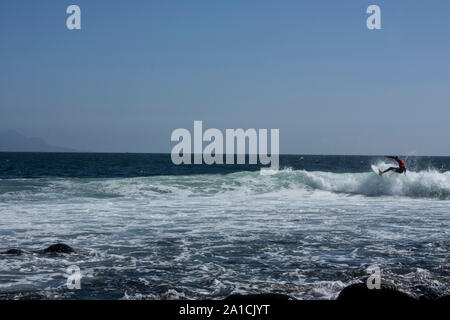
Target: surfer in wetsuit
{"x":401,"y":166}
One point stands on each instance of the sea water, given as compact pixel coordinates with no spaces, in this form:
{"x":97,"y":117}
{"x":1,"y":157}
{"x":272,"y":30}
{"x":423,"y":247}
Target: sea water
{"x":147,"y":229}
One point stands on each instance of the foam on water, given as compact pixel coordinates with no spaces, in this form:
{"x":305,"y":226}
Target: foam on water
{"x":304,"y":233}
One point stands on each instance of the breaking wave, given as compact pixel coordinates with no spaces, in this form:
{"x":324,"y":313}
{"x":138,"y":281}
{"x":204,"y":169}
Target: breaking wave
{"x":422,"y":184}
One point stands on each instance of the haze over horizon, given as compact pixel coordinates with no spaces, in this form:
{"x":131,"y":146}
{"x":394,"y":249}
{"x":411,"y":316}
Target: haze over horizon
{"x":135,"y":72}
{"x":13,"y":141}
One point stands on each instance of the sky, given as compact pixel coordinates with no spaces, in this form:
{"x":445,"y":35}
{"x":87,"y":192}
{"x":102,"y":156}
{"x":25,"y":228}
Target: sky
{"x":137,"y":70}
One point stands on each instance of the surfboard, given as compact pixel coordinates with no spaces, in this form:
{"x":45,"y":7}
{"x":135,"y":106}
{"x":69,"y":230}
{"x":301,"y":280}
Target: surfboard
{"x":375,"y":169}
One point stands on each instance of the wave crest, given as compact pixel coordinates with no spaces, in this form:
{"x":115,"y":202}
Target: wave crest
{"x":422,"y":184}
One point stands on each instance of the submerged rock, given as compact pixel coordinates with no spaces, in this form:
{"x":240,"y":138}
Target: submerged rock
{"x":261,"y":296}
{"x":360,"y":293}
{"x":428,"y":297}
{"x":13,"y":251}
{"x":445,"y":298}
{"x":425,"y":293}
{"x":59,"y":248}
{"x":55,"y":248}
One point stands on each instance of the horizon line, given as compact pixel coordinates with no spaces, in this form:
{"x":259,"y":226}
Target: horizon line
{"x":224,"y":154}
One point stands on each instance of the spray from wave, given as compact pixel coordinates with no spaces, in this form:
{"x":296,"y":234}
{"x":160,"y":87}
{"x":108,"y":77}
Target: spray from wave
{"x":422,"y":184}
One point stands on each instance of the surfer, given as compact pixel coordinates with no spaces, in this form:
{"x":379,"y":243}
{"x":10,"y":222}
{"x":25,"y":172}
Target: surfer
{"x":401,"y":166}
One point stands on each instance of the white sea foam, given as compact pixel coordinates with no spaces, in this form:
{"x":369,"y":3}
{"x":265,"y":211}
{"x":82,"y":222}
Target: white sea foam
{"x":422,"y":184}
{"x":304,"y":233}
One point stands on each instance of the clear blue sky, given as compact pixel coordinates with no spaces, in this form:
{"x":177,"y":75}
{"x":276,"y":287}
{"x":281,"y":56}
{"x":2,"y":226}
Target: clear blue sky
{"x":139,"y":69}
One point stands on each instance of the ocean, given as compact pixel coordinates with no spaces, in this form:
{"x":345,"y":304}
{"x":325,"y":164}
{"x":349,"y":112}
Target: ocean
{"x":147,"y":229}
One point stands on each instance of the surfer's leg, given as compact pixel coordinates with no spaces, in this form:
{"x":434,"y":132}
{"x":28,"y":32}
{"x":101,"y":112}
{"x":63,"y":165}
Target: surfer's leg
{"x":389,"y":169}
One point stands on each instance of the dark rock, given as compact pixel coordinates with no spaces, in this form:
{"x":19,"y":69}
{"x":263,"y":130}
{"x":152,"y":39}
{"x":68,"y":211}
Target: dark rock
{"x":59,"y":248}
{"x":13,"y":251}
{"x":359,"y":292}
{"x":445,"y":298}
{"x":425,"y":293}
{"x":262,"y":296}
{"x":428,"y":297}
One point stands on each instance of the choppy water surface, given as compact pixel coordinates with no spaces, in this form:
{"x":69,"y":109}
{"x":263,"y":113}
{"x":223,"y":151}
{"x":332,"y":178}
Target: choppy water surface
{"x":307,"y":231}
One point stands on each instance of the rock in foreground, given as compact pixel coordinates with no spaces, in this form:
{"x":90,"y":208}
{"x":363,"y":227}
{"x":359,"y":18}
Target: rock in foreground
{"x":13,"y":252}
{"x":359,"y":292}
{"x":59,"y":248}
{"x":262,"y":296}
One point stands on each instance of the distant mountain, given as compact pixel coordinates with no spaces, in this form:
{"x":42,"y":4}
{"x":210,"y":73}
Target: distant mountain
{"x":12,"y":141}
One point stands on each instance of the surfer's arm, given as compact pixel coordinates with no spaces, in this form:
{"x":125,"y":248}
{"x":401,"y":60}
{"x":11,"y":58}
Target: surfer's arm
{"x":390,"y":157}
